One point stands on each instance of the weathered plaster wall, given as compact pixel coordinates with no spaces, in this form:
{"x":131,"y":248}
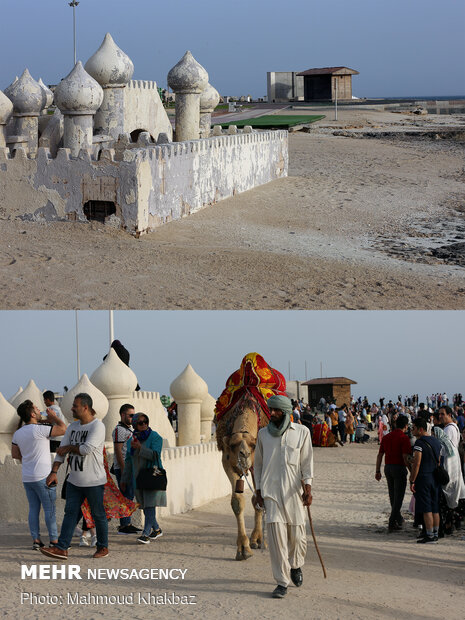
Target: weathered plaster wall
{"x":149,"y":186}
{"x":144,"y":110}
{"x":190,"y":175}
{"x":195,"y":477}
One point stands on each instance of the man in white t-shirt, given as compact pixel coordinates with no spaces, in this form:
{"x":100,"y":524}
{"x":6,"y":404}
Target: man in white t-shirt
{"x":83,"y":445}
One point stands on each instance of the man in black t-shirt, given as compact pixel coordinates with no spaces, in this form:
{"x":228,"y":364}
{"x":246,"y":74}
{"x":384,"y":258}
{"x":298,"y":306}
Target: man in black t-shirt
{"x":426,"y":455}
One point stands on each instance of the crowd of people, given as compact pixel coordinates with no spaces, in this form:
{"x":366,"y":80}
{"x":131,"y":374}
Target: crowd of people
{"x":413,"y":437}
{"x":89,"y":490}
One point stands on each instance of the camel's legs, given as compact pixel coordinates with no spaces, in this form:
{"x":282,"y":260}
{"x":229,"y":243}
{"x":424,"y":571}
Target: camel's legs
{"x":237,"y":503}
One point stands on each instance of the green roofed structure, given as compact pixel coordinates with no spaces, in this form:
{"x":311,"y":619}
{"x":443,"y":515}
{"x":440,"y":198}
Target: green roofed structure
{"x":272,"y":121}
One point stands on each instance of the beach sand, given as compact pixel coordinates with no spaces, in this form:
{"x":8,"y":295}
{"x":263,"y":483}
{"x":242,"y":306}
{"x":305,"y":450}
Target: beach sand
{"x":358,"y":224}
{"x":371,"y":574}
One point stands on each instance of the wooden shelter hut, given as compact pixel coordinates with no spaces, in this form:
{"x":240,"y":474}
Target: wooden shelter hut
{"x":328,"y":83}
{"x":333,"y":389}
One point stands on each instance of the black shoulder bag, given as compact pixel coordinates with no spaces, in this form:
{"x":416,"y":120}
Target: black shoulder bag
{"x":152,"y":478}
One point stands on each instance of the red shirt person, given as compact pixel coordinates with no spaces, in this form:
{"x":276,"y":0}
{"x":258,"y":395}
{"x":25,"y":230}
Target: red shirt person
{"x":396,"y":449}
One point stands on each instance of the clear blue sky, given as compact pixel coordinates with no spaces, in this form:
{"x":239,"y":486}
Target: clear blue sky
{"x":400,"y":48}
{"x":387,"y":353}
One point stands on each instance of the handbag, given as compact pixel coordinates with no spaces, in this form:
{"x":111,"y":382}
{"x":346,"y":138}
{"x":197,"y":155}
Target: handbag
{"x":152,"y":478}
{"x":440,"y":474}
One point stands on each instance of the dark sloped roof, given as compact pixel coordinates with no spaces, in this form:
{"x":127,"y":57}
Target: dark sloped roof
{"x":330,"y":381}
{"x":330,"y":71}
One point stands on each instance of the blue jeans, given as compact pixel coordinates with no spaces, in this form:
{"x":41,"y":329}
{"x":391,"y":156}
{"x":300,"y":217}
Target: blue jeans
{"x":128,"y":494}
{"x":150,"y":520}
{"x":74,"y":499}
{"x":39,"y":494}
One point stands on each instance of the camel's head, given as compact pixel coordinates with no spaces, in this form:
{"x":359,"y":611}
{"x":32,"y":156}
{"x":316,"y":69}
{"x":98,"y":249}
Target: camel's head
{"x":240,"y":449}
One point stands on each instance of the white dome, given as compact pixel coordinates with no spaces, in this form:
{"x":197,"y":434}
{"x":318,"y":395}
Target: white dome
{"x":8,"y":417}
{"x":188,"y":386}
{"x":207,"y":408}
{"x":26,"y":95}
{"x":113,"y":377}
{"x":187,"y":75}
{"x":6,"y":109}
{"x":78,"y":93}
{"x":209,"y":99}
{"x":12,"y":398}
{"x":84,"y":386}
{"x":48,"y":94}
{"x":30,"y":392}
{"x":110,"y":66}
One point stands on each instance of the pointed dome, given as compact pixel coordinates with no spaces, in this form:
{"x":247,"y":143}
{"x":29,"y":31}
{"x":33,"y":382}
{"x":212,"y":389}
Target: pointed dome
{"x":110,"y":66}
{"x":6,"y":109}
{"x":8,"y":88}
{"x":84,"y":386}
{"x":207,"y":408}
{"x":8,"y":417}
{"x":26,"y":95}
{"x":30,"y":392}
{"x":48,"y":94}
{"x":113,"y":377}
{"x":209,"y":98}
{"x":188,"y":386}
{"x":78,"y":93}
{"x":187,"y":75}
{"x":12,"y":398}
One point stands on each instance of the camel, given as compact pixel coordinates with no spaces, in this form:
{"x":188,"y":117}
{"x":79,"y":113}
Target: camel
{"x":236,"y":435}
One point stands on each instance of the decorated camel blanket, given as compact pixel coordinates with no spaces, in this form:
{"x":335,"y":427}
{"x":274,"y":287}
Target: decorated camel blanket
{"x":255,"y":377}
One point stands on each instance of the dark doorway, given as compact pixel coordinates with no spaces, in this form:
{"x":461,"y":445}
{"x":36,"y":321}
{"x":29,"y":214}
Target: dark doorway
{"x":99,"y":210}
{"x":317,"y":87}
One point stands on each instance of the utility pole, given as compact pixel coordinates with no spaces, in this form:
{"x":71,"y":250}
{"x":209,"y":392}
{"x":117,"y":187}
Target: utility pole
{"x":74,"y":4}
{"x":78,"y":366}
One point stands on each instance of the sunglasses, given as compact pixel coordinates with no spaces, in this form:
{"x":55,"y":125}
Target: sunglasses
{"x":139,"y":422}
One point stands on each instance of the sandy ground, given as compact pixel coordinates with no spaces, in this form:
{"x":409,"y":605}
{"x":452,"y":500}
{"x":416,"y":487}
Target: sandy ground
{"x":360,"y":223}
{"x":371,"y":574}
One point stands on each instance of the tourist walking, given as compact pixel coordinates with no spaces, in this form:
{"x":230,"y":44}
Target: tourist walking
{"x":283,"y":463}
{"x":396,"y":449}
{"x":144,"y":452}
{"x":31,"y":446}
{"x":83,"y":446}
{"x":426,"y":455}
{"x":121,"y":433}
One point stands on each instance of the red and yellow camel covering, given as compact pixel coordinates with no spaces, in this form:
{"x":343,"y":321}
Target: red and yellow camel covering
{"x":257,"y":378}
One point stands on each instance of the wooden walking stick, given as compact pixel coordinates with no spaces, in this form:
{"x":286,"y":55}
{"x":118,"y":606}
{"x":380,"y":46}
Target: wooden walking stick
{"x":314,"y":537}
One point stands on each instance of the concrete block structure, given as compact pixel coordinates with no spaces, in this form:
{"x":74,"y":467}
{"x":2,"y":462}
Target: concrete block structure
{"x":106,"y":153}
{"x":325,"y":84}
{"x":284,"y":86}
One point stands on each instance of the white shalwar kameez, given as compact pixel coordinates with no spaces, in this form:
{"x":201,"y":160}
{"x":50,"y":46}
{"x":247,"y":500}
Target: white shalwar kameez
{"x":281,"y":465}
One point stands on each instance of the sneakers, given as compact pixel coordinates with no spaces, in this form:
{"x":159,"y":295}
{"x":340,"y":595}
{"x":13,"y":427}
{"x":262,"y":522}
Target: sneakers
{"x":429,"y":540}
{"x":155,"y":534}
{"x":143,"y":540}
{"x":128,"y":529}
{"x":93,"y":541}
{"x":36,"y":545}
{"x":84,"y":541}
{"x":297,"y":577}
{"x":101,"y":552}
{"x":54,"y":552}
{"x":279,"y":592}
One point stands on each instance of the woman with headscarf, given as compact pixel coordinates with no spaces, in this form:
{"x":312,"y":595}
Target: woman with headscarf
{"x":144,"y":452}
{"x":454,"y":490}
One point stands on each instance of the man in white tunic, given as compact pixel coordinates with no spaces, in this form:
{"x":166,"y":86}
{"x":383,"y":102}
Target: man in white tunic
{"x":283,"y":462}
